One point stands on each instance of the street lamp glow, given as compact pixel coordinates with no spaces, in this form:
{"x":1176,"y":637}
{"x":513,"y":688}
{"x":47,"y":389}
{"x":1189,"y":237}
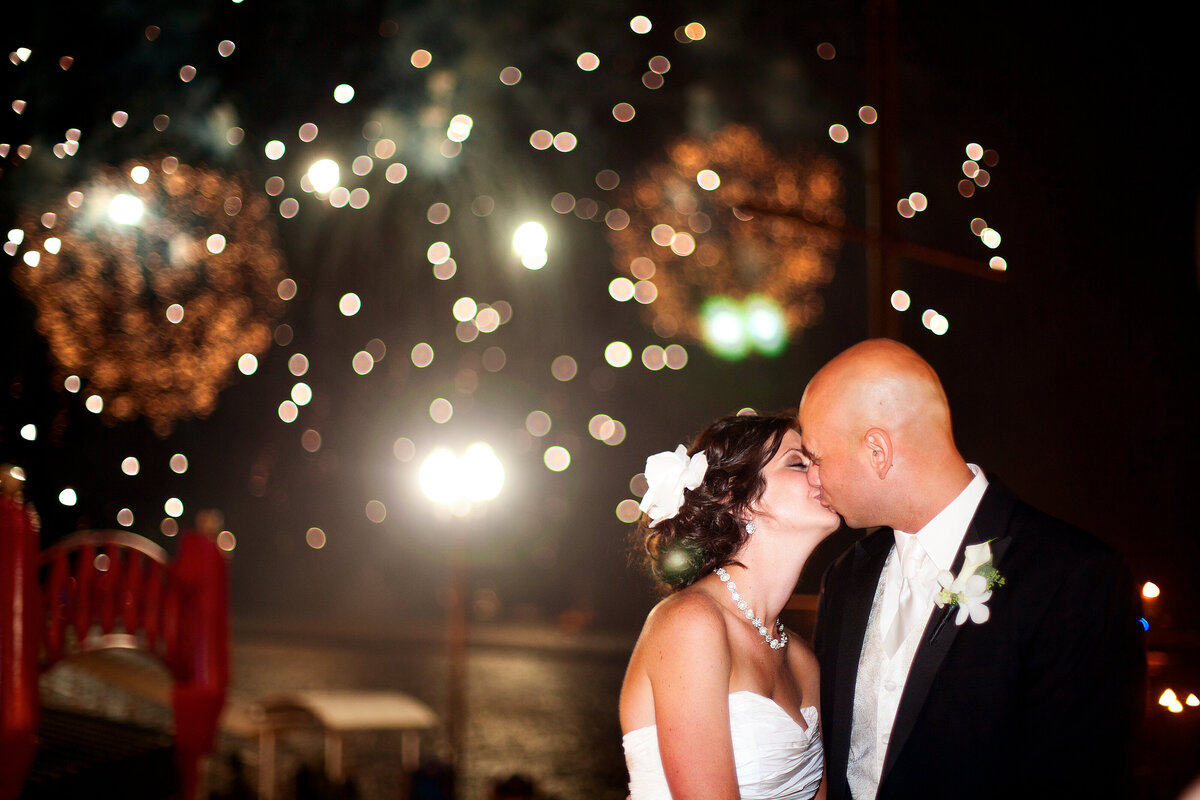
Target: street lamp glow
{"x":324,"y":175}
{"x":530,"y":242}
{"x":438,"y":476}
{"x":449,"y":480}
{"x":481,"y":473}
{"x":125,"y":209}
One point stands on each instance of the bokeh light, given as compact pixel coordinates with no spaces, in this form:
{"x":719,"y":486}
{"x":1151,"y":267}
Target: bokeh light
{"x":556,"y":458}
{"x":618,"y":354}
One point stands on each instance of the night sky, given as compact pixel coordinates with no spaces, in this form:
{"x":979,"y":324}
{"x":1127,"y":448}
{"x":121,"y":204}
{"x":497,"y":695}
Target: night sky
{"x":1073,"y":381}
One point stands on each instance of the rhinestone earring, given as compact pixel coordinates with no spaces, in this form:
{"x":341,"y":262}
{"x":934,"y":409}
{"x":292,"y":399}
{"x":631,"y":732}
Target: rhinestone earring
{"x":750,"y":528}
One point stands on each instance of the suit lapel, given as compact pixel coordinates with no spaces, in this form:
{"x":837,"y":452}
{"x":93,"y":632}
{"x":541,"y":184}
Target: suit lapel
{"x":988,"y":524}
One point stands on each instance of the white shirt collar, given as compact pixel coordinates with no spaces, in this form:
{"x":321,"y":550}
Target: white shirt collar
{"x":942,"y":535}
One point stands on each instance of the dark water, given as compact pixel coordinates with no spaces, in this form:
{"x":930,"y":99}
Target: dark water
{"x":539,"y":703}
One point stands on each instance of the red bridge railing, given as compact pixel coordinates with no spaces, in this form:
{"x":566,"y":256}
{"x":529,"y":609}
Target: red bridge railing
{"x":102,"y":589}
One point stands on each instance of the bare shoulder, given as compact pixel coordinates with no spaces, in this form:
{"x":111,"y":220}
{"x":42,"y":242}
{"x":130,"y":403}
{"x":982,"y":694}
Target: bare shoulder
{"x":687,"y":612}
{"x":683,"y":646}
{"x":685,"y":628}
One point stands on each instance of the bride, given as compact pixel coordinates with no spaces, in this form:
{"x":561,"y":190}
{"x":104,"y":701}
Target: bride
{"x":719,"y":700}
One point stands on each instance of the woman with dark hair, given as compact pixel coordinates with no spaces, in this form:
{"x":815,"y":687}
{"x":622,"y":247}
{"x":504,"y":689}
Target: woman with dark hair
{"x":719,"y":701}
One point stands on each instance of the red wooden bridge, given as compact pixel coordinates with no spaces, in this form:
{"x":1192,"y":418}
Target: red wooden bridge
{"x":102,"y":589}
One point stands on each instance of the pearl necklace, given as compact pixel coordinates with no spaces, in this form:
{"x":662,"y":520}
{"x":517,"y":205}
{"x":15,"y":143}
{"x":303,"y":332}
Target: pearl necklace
{"x":743,"y":606}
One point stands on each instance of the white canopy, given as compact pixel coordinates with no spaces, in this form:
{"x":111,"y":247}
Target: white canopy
{"x":353,"y":710}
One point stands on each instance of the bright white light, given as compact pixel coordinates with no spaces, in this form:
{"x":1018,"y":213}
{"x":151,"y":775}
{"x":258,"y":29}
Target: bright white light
{"x":173,"y":507}
{"x":530,"y":238}
{"x":449,"y":480}
{"x":324,"y":175}
{"x":530,"y":241}
{"x":464,"y":309}
{"x":301,"y":394}
{"x":139,"y":174}
{"x":125,"y":209}
{"x":482,"y":474}
{"x":439,"y":476}
{"x":556,"y":458}
{"x":343,"y":93}
{"x":29,"y":432}
{"x":459,"y":128}
{"x":349,"y":304}
{"x":534,"y":259}
{"x":247,"y":364}
{"x":67,"y":497}
{"x":723,"y":329}
{"x":764,"y":324}
{"x":130,"y":466}
{"x":618,"y":354}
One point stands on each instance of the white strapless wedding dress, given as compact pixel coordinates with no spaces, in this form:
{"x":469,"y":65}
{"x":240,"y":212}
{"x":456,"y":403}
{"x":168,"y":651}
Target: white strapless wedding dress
{"x":776,"y":758}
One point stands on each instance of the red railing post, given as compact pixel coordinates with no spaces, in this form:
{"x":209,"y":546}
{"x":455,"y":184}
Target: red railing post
{"x":201,"y":652}
{"x":20,"y":626}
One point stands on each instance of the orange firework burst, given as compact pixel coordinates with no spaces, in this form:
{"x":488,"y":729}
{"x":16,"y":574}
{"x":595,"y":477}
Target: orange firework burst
{"x":688,"y":238}
{"x":150,"y":282}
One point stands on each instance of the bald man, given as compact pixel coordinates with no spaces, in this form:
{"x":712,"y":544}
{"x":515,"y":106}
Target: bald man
{"x":1023,"y":682}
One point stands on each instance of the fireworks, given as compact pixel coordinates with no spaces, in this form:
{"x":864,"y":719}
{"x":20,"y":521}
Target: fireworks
{"x":687,"y":238}
{"x":150,"y":283}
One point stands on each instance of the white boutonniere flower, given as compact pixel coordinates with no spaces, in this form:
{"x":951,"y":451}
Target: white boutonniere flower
{"x":972,"y":588}
{"x":667,"y":476}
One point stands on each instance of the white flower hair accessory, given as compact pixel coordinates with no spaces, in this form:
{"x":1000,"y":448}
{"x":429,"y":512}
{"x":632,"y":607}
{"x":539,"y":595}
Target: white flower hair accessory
{"x":667,"y":476}
{"x":971,"y":590}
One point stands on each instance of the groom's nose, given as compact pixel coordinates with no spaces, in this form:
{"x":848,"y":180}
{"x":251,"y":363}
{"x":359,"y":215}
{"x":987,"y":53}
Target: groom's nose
{"x":814,"y":476}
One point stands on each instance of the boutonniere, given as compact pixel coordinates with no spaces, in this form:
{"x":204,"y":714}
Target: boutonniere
{"x":972,"y":588}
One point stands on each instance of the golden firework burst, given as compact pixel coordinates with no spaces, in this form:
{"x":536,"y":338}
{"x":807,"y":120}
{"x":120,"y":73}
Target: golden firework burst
{"x":150,"y":282}
{"x":688,"y":238}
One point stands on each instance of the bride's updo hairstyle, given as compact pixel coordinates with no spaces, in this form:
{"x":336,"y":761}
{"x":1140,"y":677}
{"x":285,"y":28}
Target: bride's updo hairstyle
{"x":710,"y":526}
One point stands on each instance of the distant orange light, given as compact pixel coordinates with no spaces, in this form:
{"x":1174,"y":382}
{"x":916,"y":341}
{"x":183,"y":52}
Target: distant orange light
{"x":1150,"y":590}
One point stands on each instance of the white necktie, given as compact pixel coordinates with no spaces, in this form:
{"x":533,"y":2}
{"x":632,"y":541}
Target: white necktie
{"x":914,"y":600}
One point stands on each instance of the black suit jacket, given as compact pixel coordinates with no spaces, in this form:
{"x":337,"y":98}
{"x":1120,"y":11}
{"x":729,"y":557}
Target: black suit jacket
{"x":1042,"y":700}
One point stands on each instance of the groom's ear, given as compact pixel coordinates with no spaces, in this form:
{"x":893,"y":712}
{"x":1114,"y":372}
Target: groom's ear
{"x":879,"y":443}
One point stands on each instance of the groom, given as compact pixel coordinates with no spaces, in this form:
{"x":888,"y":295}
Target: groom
{"x":1028,"y":681}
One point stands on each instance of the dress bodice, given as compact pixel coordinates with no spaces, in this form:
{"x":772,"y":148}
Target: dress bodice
{"x":776,"y":758}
